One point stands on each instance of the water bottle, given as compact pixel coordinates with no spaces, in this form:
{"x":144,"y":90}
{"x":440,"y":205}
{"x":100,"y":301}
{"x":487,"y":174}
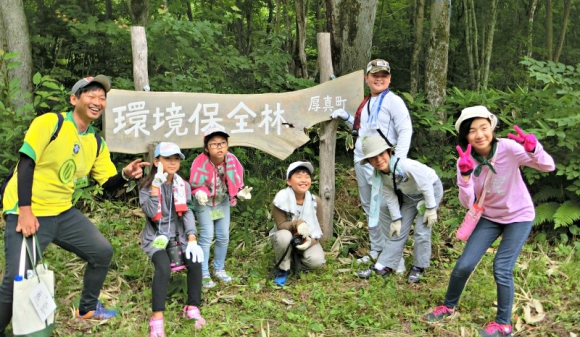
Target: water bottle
{"x":175,"y":255}
{"x":17,"y":278}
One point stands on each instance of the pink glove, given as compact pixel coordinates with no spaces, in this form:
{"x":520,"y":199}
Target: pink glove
{"x":529,"y":141}
{"x":465,"y":163}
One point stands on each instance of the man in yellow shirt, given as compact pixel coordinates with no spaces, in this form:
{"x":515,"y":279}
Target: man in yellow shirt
{"x":38,"y":196}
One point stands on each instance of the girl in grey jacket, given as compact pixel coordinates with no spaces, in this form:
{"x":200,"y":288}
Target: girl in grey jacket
{"x":169,"y":234}
{"x":408,"y":189}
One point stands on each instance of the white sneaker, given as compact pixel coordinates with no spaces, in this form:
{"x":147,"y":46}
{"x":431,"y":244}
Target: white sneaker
{"x":401,"y":268}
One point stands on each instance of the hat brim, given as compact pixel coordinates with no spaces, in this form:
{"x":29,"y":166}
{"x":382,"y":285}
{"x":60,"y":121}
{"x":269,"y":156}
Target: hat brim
{"x":104,"y":81}
{"x":223,"y":133}
{"x":378,"y":69}
{"x":293,"y":168}
{"x":373,"y":154}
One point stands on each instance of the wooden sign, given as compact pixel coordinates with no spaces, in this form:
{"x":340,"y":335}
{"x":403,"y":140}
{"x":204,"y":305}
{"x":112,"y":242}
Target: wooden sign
{"x":274,"y":123}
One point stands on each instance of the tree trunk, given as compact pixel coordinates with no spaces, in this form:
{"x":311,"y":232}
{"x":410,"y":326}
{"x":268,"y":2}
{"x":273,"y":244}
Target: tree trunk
{"x":139,"y":48}
{"x":139,"y":10}
{"x":278,"y":11}
{"x":40,"y":10}
{"x":318,"y":9}
{"x":565,"y":20}
{"x":417,"y":44}
{"x":469,"y":43}
{"x":475,"y":44}
{"x":437,"y":54}
{"x":301,"y":70}
{"x":531,"y":13}
{"x":270,"y":20}
{"x":549,"y":30}
{"x":239,"y":24}
{"x":108,"y":10}
{"x":350,"y":23}
{"x":17,"y":40}
{"x":489,"y":44}
{"x":327,"y":190}
{"x":189,"y":12}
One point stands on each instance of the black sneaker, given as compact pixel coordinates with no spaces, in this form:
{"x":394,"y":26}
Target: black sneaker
{"x":416,"y":274}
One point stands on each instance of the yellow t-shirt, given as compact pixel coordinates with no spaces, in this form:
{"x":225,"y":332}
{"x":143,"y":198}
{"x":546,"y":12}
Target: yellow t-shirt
{"x":58,"y":163}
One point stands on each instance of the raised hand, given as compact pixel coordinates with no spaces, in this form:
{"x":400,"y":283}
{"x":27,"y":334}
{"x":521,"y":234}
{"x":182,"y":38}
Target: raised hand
{"x":244,"y":194}
{"x":135,"y":168}
{"x":340,"y":113}
{"x":465,"y":163}
{"x":529,"y":141}
{"x":160,"y":178}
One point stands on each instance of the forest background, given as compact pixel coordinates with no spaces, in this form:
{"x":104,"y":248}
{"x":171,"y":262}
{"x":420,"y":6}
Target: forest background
{"x":520,"y":58}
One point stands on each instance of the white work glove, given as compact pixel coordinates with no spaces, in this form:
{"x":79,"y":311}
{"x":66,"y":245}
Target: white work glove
{"x":160,"y":178}
{"x":244,"y":194}
{"x":395,"y":228}
{"x":307,"y":242}
{"x":201,"y":197}
{"x":303,"y":230}
{"x":340,"y":113}
{"x":194,"y":252}
{"x":430,"y":217}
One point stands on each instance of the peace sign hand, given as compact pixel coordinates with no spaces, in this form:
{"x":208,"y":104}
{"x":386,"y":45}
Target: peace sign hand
{"x":160,"y":178}
{"x":529,"y":141}
{"x":465,"y":163}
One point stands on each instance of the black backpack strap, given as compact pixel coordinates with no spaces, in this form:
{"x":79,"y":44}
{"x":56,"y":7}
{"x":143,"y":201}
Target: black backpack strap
{"x":397,"y":191}
{"x":58,"y":126}
{"x":99,"y":142}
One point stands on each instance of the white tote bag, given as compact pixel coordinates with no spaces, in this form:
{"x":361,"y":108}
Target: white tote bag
{"x":33,"y":304}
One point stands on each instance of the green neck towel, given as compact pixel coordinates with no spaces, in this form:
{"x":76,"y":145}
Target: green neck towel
{"x":484,"y":161}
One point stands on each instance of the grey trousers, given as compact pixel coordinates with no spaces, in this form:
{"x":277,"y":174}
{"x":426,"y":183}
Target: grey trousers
{"x":70,"y":230}
{"x":394,"y":246}
{"x":312,"y":258}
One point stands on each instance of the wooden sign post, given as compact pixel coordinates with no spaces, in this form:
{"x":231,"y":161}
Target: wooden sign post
{"x":328,"y":142}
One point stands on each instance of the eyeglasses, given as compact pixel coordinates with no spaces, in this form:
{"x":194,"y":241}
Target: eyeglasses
{"x":217,"y":145}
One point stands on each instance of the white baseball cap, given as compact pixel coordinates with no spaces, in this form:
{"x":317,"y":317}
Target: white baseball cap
{"x":167,"y":149}
{"x":298,"y":164}
{"x":215,"y":129}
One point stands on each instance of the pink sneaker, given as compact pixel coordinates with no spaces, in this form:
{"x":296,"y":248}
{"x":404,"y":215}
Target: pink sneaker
{"x":192,"y":312}
{"x":156,"y":327}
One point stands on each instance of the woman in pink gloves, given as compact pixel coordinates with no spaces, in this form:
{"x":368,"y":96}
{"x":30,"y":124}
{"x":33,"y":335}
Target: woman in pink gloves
{"x":508,"y":208}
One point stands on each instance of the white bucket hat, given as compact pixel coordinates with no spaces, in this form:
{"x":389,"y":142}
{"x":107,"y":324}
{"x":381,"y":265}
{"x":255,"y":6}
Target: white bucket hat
{"x":476,"y":111}
{"x":373,"y":146}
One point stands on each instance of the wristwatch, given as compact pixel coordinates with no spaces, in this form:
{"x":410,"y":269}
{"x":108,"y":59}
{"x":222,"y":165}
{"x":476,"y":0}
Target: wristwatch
{"x":124,"y":175}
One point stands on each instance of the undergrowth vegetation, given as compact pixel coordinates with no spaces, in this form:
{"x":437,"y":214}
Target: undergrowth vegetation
{"x":333,"y":301}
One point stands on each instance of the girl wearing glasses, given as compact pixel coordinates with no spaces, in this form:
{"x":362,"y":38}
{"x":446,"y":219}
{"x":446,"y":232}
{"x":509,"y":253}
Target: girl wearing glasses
{"x":216,"y":179}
